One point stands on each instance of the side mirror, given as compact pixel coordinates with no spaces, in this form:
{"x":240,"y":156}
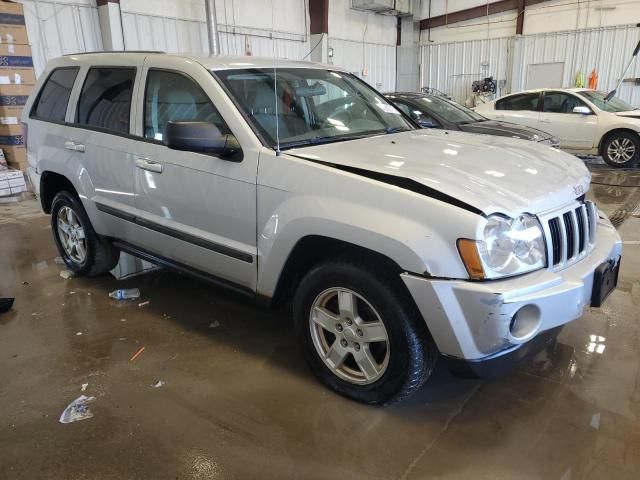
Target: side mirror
{"x":582,"y":110}
{"x":426,"y":123}
{"x":201,"y":137}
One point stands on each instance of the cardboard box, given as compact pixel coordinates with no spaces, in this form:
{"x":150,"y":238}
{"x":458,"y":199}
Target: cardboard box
{"x":13,"y":98}
{"x":12,"y":25}
{"x":12,"y":182}
{"x":16,"y":157}
{"x":17,"y":76}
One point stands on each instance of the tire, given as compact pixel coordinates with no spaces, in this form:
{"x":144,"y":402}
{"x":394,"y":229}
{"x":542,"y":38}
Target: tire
{"x":92,"y":257}
{"x":620,"y":149}
{"x":403,"y":362}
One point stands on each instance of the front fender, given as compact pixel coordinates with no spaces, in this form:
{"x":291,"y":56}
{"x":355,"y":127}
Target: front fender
{"x":408,"y":242}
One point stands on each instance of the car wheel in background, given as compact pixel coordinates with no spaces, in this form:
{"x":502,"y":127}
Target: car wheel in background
{"x":621,"y":149}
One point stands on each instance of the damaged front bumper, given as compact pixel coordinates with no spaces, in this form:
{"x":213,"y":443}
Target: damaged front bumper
{"x":481,"y":321}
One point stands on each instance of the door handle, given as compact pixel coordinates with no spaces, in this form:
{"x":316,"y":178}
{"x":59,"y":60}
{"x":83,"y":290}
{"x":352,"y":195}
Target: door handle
{"x":499,"y":116}
{"x":546,"y":120}
{"x":148,"y":164}
{"x":73,"y":146}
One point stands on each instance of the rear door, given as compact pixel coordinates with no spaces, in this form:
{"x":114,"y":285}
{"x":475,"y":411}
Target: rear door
{"x":100,"y":134}
{"x":47,"y":117}
{"x":196,"y":209}
{"x":521,"y":108}
{"x":576,"y":131}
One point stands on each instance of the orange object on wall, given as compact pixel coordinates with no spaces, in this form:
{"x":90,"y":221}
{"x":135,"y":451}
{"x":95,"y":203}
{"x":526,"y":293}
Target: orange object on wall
{"x":593,"y":80}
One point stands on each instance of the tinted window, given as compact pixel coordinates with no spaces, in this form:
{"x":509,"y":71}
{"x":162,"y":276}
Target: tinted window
{"x":173,"y":97}
{"x":414,"y":113}
{"x":559,"y":102}
{"x":52,"y":102}
{"x":450,"y":111}
{"x":105,"y":100}
{"x":525,"y":101}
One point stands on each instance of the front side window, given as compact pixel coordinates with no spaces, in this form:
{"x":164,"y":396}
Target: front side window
{"x":171,"y":96}
{"x":52,"y":102}
{"x":614,"y":105}
{"x":310,"y":106}
{"x":560,"y":102}
{"x":524,"y":101}
{"x":105,"y":100}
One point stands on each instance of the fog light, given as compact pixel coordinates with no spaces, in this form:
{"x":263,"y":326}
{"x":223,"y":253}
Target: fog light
{"x":525,"y":323}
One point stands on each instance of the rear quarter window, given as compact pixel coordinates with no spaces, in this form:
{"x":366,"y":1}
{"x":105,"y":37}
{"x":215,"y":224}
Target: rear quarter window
{"x":105,"y":100}
{"x":52,"y":101}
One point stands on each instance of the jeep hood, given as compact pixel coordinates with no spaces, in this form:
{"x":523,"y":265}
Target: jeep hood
{"x":491,"y":174}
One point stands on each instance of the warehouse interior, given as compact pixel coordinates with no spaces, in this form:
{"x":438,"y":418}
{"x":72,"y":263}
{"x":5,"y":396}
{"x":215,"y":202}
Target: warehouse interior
{"x":164,"y":366}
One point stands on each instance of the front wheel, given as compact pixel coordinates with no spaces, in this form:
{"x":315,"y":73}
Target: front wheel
{"x":621,"y":149}
{"x":84,"y":251}
{"x":361,"y":333}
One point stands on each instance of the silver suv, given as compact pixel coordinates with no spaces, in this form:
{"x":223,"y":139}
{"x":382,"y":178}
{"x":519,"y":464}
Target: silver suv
{"x":396,"y":245}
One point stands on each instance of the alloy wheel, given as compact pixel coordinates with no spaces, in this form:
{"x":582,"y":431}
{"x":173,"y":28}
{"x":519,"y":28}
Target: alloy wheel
{"x":71,"y":234}
{"x":621,"y":150}
{"x":349,"y":336}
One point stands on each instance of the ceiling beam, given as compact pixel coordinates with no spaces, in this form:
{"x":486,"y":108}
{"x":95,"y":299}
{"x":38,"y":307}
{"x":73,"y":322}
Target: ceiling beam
{"x":477,"y":12}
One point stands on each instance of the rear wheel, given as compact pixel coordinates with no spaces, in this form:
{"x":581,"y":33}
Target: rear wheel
{"x":84,"y":251}
{"x":361,"y":333}
{"x":621,"y":149}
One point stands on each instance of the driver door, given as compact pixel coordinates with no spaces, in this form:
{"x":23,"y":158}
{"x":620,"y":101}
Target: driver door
{"x":197,"y":210}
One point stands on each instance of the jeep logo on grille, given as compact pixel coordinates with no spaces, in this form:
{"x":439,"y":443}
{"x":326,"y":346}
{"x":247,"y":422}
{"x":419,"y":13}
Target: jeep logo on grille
{"x":578,"y":189}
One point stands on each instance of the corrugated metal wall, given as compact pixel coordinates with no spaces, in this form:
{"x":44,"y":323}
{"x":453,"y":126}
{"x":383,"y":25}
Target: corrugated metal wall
{"x":59,"y":27}
{"x":606,"y":49}
{"x":378,"y":59}
{"x":452,"y":67}
{"x":175,"y":35}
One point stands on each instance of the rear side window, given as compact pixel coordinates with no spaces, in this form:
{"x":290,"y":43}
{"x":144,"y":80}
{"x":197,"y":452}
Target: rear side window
{"x":51,"y":104}
{"x":525,"y":101}
{"x":171,"y":96}
{"x":105,"y":100}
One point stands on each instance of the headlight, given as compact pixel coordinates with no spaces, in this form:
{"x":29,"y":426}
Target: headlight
{"x":509,"y":247}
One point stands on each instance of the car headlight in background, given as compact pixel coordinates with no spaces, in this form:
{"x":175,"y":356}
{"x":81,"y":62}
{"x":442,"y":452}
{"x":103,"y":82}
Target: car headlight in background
{"x":508,"y":247}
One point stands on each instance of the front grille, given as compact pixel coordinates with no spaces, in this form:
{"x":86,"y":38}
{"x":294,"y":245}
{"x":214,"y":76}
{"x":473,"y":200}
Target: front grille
{"x":571,"y":234}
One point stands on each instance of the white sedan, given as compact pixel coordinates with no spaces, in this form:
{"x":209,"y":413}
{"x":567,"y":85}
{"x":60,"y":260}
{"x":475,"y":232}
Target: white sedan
{"x":581,"y":119}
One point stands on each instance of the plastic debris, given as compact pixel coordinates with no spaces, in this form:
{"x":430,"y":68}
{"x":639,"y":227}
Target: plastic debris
{"x":25,"y":283}
{"x":58,"y":261}
{"x":77,"y":410}
{"x":143,"y":304}
{"x":123,"y":319}
{"x":83,"y":387}
{"x":595,"y":421}
{"x":66,"y":274}
{"x":158,"y":384}
{"x":125,"y":294}
{"x":78,"y":333}
{"x":36,"y":314}
{"x":72,"y":293}
{"x":215,"y":324}
{"x":137,"y":354}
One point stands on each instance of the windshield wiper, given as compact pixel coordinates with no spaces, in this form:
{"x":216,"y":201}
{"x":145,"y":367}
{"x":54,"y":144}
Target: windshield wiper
{"x":320,"y":140}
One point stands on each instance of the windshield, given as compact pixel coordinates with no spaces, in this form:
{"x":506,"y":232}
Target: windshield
{"x":450,"y":111}
{"x":613,"y":105}
{"x":313,"y":106}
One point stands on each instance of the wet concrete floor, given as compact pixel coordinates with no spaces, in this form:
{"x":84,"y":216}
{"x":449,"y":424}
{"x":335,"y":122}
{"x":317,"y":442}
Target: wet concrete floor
{"x":239,"y":403}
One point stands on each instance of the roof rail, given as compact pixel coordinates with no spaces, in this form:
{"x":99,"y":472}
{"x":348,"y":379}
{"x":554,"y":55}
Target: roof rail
{"x":113,"y":51}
